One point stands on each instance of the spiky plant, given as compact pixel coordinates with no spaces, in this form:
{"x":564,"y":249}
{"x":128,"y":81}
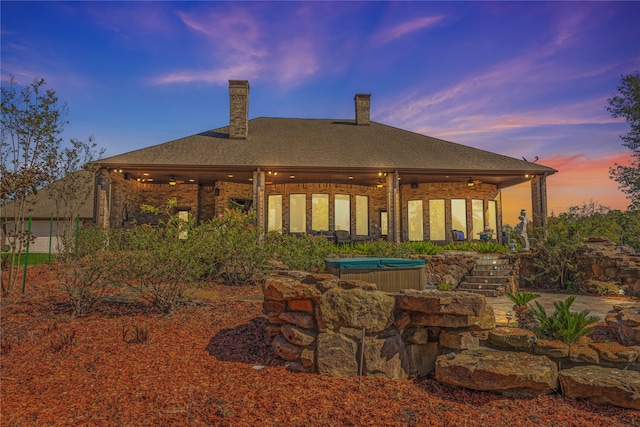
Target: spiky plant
{"x":563,"y":324}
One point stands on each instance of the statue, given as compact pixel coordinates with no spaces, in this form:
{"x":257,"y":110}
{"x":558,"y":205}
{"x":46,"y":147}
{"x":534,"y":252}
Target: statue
{"x":521,"y":228}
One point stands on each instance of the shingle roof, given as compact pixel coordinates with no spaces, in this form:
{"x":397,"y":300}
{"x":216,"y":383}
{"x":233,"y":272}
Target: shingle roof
{"x":323,"y":143}
{"x":42,"y":204}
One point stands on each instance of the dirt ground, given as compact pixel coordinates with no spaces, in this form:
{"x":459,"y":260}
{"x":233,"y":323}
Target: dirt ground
{"x":207,"y":365}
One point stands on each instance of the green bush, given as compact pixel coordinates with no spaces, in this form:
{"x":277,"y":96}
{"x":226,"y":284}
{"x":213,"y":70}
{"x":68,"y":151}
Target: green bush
{"x":299,"y":252}
{"x":160,"y":263}
{"x":522,"y":298}
{"x":490,"y":248}
{"x":232,"y":248}
{"x":423,"y":248}
{"x":85,"y":268}
{"x":563,"y":324}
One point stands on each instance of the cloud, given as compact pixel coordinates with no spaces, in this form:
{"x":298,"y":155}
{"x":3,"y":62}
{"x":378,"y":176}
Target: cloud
{"x":242,"y":44}
{"x":401,"y":29}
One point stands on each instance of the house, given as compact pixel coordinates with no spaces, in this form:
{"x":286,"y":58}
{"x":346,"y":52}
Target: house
{"x":365,"y":178}
{"x":51,"y":209}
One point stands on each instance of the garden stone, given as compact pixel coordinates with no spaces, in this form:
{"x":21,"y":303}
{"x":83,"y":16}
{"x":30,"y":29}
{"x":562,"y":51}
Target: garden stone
{"x":581,"y":353}
{"x":422,"y":358}
{"x":305,"y":305}
{"x":551,"y":348}
{"x":602,"y":385}
{"x":298,"y":318}
{"x":442,"y":302}
{"x":614,"y":352}
{"x":508,"y":373}
{"x":458,"y":340}
{"x":336,"y":355}
{"x":356,"y":308}
{"x":624,"y":322}
{"x":386,"y":357}
{"x":284,"y":349}
{"x":416,"y":335}
{"x":298,"y":336}
{"x":512,"y":338}
{"x":282,"y":288}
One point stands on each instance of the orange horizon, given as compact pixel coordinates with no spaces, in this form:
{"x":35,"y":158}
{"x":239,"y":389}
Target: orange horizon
{"x":579,"y":180}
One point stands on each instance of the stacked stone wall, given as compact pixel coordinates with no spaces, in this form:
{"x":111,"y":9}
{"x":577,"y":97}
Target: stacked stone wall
{"x":319,"y":323}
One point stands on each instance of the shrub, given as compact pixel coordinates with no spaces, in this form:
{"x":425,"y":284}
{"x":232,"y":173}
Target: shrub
{"x":424,"y":248}
{"x":490,"y":247}
{"x":444,"y":287}
{"x":522,"y":298}
{"x":564,"y":324}
{"x":158,"y":265}
{"x":523,"y":314}
{"x":230,"y":246}
{"x":299,"y":252}
{"x":85,"y":268}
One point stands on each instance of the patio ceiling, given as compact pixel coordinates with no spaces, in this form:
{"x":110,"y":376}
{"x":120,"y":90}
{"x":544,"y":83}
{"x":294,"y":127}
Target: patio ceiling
{"x":282,"y":175}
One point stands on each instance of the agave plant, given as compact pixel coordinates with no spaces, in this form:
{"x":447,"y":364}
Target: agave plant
{"x":523,"y":314}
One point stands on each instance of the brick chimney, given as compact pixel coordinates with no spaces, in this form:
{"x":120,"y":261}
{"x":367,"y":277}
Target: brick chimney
{"x":238,"y":109}
{"x":363,"y":105}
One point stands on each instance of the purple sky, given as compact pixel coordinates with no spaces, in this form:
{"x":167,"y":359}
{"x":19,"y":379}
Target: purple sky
{"x":517,"y":78}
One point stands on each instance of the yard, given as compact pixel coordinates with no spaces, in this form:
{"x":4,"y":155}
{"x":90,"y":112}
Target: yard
{"x":207,"y":365}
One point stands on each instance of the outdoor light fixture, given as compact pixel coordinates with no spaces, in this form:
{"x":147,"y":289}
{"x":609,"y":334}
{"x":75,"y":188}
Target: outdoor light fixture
{"x":470,"y":183}
{"x":379,"y":184}
{"x":172,"y":181}
{"x":509,"y":315}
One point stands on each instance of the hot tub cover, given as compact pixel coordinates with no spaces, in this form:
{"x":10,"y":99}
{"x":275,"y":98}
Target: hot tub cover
{"x":369,"y":262}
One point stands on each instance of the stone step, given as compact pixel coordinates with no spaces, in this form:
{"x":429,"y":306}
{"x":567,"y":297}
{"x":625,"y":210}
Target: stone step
{"x":490,"y":273}
{"x":491,"y":267}
{"x":485,"y":279}
{"x":467,"y":285}
{"x":485,"y":292}
{"x":494,"y":261}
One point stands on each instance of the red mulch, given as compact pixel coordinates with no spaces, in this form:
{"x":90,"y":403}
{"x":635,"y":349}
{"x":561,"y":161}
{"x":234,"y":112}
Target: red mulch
{"x":198,"y":369}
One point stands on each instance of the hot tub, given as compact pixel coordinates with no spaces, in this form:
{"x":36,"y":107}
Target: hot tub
{"x":389,"y":274}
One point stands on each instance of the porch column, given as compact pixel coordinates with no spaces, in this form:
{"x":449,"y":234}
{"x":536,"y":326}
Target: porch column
{"x":539,"y":201}
{"x":393,"y":203}
{"x":258,"y":197}
{"x":102,"y":197}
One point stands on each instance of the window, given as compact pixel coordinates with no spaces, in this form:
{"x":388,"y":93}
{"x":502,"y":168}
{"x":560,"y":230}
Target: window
{"x":414,"y":211}
{"x":342,"y":212}
{"x":362,"y":215}
{"x":297,"y":213}
{"x":459,"y":215}
{"x":436,"y":220}
{"x":274,"y":222}
{"x":384,"y":223}
{"x":183,"y":217}
{"x":320,"y":212}
{"x":477,"y":213}
{"x":492,"y":217}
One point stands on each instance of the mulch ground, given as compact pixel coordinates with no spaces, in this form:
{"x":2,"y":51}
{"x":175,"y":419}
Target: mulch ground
{"x":202,"y":366}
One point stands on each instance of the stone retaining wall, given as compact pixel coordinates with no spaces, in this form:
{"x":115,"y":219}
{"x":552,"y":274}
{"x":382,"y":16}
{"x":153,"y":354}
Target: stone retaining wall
{"x":319,"y":323}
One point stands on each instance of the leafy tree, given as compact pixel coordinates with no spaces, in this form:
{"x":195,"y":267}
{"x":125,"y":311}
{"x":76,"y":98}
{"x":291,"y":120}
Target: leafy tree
{"x":31,"y":124}
{"x":626,"y":103}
